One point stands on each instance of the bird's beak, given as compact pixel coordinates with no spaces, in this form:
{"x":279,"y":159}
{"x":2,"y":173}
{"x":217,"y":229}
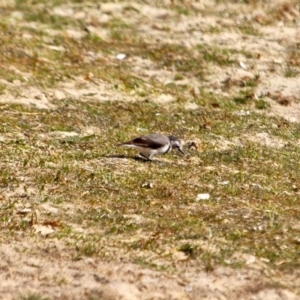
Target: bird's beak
{"x":181,"y":151}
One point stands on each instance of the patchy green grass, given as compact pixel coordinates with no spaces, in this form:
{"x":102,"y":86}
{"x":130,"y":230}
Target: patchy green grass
{"x":253,"y":189}
{"x":33,"y":297}
{"x":248,"y":29}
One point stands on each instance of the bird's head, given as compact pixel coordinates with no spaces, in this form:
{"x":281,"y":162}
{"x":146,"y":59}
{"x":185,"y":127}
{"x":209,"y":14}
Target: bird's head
{"x":176,"y":144}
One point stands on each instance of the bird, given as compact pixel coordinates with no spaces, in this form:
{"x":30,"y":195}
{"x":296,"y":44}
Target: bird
{"x":154,"y":144}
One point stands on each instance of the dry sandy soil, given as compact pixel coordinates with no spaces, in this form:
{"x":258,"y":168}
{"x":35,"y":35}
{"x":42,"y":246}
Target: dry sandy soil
{"x":57,"y":277}
{"x":46,"y":269}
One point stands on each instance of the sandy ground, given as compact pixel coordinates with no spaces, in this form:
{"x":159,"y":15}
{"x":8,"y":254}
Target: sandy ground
{"x":50,"y":272}
{"x":46,"y":269}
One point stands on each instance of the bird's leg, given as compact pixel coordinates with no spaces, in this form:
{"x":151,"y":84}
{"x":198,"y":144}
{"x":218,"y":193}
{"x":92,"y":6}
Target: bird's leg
{"x":148,"y":158}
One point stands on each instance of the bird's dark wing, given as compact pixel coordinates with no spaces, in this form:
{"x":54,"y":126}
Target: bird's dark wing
{"x":146,"y":141}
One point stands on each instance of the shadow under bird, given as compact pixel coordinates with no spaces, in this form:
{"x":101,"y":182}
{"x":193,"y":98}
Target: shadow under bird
{"x":154,"y":144}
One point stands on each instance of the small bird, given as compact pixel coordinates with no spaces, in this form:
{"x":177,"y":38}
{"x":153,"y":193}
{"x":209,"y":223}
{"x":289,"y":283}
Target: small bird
{"x":154,"y":144}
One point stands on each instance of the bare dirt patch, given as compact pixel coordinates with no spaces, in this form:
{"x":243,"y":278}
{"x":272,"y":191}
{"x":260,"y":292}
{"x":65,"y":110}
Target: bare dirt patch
{"x":49,"y":271}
